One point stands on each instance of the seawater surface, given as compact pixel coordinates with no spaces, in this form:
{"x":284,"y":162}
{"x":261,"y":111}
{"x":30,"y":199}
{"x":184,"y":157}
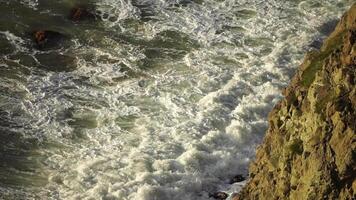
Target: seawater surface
{"x":156,"y":100}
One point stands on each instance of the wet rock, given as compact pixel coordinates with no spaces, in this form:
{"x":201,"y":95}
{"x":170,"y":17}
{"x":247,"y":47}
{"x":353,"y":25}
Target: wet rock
{"x":81,"y":14}
{"x":56,"y":62}
{"x":46,"y":39}
{"x":328,"y":27}
{"x":142,"y":83}
{"x":219,"y":195}
{"x":238,"y":178}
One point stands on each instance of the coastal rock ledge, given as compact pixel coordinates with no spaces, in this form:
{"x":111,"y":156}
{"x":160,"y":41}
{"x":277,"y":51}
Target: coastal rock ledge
{"x":309,"y":151}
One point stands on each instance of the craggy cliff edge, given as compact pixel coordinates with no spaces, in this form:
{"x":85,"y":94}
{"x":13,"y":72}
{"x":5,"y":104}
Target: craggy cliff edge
{"x":309,"y":151}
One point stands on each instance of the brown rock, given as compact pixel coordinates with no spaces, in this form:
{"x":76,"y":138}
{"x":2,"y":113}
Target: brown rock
{"x":219,"y":195}
{"x":46,"y":39}
{"x":310,"y":154}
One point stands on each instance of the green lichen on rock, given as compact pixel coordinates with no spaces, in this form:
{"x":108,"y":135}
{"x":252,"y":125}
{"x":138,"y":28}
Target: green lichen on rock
{"x":309,"y":149}
{"x":296,"y":147}
{"x":318,"y":59}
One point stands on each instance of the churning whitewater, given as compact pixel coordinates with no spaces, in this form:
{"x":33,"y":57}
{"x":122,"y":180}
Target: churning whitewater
{"x":154,"y":100}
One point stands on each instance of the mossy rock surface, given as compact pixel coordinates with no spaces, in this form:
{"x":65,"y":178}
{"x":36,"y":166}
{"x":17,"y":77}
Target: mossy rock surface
{"x":308,"y":151}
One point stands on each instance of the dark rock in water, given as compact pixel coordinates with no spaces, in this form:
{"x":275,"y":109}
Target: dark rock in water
{"x":316,"y":44}
{"x":46,"y":39}
{"x":56,"y":62}
{"x":237,"y":178}
{"x":142,"y":83}
{"x":328,"y":27}
{"x":219,"y":195}
{"x":81,"y":14}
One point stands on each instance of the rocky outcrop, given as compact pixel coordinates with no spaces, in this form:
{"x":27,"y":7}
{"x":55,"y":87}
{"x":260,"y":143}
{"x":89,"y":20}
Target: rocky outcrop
{"x":48,"y":40}
{"x":309,"y":151}
{"x":82,"y":14}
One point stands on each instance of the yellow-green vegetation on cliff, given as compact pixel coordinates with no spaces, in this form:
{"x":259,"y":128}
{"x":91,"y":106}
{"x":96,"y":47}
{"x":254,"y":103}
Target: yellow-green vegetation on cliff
{"x":309,"y":151}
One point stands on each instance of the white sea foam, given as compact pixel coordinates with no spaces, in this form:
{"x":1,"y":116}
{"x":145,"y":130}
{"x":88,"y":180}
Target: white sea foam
{"x":113,"y":11}
{"x":195,"y":122}
{"x":15,"y":41}
{"x":30,"y":3}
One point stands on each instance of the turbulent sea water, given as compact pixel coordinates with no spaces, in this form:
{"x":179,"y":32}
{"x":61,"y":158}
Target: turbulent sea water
{"x":157,"y":100}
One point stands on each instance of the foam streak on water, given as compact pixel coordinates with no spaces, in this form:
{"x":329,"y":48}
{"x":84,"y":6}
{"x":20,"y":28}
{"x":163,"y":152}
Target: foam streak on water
{"x":169,"y":98}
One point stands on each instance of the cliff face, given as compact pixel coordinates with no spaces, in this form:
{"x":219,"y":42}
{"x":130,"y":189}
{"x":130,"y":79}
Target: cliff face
{"x":309,"y":151}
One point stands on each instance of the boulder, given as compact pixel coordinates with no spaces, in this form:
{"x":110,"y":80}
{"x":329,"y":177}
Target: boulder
{"x":82,"y":14}
{"x":54,"y":61}
{"x":238,"y":178}
{"x":219,"y":195}
{"x":47,"y":39}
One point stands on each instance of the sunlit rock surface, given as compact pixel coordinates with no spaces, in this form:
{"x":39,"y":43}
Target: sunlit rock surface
{"x":309,"y":149}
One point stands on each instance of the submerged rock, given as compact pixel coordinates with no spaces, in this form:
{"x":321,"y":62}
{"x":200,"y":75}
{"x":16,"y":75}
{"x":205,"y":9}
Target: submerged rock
{"x":238,"y":178}
{"x":142,"y":83}
{"x":81,"y":14}
{"x":310,"y":147}
{"x":54,"y":61}
{"x":46,"y":39}
{"x":219,"y":195}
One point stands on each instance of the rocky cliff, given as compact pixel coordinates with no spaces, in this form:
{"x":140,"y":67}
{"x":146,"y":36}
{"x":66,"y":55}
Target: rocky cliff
{"x":309,"y":151}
